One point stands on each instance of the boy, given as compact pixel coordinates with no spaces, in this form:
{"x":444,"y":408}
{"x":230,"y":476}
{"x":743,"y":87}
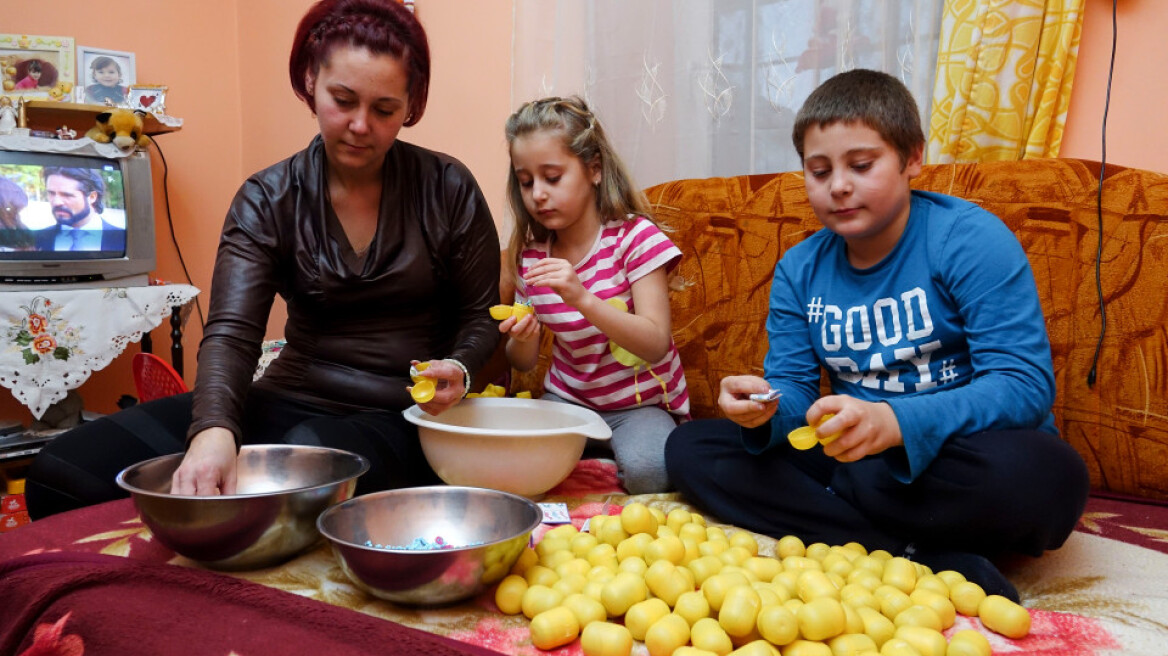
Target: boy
{"x":923,"y":310}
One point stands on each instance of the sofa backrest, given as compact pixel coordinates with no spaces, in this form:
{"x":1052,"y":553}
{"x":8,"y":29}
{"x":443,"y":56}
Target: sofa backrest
{"x":733,"y":230}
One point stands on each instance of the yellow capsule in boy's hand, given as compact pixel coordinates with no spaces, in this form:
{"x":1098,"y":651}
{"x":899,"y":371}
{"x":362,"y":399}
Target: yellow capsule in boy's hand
{"x":805,"y":437}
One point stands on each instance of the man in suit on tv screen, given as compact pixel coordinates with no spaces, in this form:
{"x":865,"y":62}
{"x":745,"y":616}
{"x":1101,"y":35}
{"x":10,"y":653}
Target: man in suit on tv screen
{"x":76,"y":199}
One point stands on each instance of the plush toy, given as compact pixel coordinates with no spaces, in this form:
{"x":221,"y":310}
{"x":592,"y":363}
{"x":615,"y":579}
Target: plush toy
{"x":122,"y":127}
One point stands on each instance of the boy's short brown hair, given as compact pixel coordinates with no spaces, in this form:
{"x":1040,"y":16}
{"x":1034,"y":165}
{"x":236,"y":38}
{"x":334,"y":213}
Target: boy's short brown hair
{"x":876,"y":99}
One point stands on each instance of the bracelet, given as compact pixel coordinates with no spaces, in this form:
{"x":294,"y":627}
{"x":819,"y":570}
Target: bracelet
{"x":465,"y":375}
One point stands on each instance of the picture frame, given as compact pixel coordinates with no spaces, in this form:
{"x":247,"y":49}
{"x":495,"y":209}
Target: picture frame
{"x":37,"y":67}
{"x":95,"y":82}
{"x":150,"y":98}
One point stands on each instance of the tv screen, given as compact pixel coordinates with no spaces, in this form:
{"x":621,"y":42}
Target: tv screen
{"x":67,"y":218}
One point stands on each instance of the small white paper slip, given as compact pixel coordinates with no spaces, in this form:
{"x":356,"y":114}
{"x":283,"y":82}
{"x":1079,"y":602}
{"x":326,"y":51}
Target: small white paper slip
{"x":555,"y":513}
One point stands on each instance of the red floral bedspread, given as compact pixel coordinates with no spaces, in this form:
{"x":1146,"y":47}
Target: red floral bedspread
{"x":1102,"y":593}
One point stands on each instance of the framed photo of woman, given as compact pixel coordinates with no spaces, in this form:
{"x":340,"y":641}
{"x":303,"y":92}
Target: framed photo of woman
{"x":104,"y":76}
{"x":36,"y":67}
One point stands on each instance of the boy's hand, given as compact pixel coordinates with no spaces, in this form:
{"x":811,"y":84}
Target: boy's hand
{"x":868,"y":428}
{"x":734,"y":400}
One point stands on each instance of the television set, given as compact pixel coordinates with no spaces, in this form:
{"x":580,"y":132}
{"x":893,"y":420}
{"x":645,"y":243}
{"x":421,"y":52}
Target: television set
{"x":75,"y":219}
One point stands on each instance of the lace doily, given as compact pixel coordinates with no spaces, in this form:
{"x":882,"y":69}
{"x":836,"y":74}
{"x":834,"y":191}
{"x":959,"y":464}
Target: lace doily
{"x":53,"y":340}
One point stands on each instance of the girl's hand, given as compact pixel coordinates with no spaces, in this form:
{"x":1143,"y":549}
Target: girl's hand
{"x":523,"y":330}
{"x":450,"y":384}
{"x":867,"y":427}
{"x":734,"y":400}
{"x":209,"y":467}
{"x":560,"y":275}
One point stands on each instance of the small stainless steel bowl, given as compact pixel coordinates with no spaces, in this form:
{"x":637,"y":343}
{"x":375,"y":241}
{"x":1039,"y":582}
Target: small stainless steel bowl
{"x":487,"y":528}
{"x":280,"y":492}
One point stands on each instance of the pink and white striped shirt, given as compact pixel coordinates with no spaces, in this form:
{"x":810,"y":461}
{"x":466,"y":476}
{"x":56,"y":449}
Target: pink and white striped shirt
{"x":583,"y":368}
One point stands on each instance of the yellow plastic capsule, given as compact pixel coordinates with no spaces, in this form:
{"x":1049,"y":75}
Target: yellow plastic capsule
{"x":763,"y":648}
{"x":876,"y":625}
{"x":538,"y":598}
{"x":1003,"y":616}
{"x":790,"y":545}
{"x":643,"y":614}
{"x":805,"y":437}
{"x":692,"y":606}
{"x":423,"y":390}
{"x":606,"y":639}
{"x":777,"y":624}
{"x":944,"y":608}
{"x":898,"y":647}
{"x":707,"y":634}
{"x":968,"y":642}
{"x":666,"y":635}
{"x":738,"y":613}
{"x":803,"y":648}
{"x":901,"y":573}
{"x":966,"y":597}
{"x":624,"y":590}
{"x":821,"y":618}
{"x":520,"y":310}
{"x":509,"y":594}
{"x":851,"y":644}
{"x":500,"y":312}
{"x":918,"y":615}
{"x":687,"y":650}
{"x":925,"y":640}
{"x":553,"y":628}
{"x":586,"y":609}
{"x":637,"y":518}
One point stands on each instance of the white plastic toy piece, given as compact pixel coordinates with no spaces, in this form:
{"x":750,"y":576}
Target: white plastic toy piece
{"x":766,"y":397}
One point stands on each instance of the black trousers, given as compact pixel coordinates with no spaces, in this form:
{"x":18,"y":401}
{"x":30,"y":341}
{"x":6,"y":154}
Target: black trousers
{"x":79,"y":467}
{"x":991,"y":493}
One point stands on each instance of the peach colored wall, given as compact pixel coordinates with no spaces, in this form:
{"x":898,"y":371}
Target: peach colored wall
{"x":225,"y":62}
{"x":1136,"y":135}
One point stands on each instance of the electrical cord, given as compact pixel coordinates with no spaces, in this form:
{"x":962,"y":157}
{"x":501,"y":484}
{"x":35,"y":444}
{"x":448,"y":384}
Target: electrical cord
{"x":170,"y":223}
{"x":1099,"y":204}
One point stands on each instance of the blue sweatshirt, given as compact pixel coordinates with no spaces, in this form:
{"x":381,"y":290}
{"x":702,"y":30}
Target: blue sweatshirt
{"x":947,"y":329}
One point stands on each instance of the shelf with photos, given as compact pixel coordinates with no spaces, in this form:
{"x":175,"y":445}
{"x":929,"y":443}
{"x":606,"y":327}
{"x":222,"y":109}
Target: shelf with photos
{"x":49,"y":115}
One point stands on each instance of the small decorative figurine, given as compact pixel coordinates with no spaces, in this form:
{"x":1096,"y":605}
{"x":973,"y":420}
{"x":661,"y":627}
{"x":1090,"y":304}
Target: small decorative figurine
{"x":8,"y":114}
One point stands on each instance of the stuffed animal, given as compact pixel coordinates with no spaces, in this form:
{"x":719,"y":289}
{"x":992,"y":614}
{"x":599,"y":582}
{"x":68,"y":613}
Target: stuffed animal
{"x":122,"y":127}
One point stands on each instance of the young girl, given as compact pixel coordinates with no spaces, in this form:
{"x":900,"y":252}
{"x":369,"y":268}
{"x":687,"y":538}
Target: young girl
{"x":593,"y":265}
{"x":107,"y":86}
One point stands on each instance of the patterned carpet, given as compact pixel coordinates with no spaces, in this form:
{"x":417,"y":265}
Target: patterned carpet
{"x":1105,"y":592}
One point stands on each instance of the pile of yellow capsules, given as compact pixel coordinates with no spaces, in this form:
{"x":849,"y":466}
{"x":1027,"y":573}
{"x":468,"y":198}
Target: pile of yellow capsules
{"x":496,"y":392}
{"x":688,"y":589}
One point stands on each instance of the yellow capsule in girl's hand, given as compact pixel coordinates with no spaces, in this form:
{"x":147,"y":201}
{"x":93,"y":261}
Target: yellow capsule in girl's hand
{"x":500,"y":312}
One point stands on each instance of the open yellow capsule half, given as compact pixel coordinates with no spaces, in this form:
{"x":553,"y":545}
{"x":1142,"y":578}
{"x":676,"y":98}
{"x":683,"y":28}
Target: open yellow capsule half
{"x":805,"y":437}
{"x":423,"y":390}
{"x":500,"y":312}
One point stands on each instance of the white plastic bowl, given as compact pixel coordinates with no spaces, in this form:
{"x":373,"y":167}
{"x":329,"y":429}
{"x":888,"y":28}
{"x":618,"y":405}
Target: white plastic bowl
{"x":522,"y":446}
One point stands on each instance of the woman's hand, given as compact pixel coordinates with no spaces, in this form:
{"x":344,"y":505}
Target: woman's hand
{"x":209,"y":467}
{"x":867,"y":427}
{"x":560,"y":275}
{"x":734,"y":400}
{"x":450,"y":383}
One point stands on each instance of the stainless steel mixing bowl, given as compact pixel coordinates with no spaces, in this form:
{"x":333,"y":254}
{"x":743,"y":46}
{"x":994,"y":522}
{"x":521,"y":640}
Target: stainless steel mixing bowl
{"x":487,"y":528}
{"x":280,"y":492}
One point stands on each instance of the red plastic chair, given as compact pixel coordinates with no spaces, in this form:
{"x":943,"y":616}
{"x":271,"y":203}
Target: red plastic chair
{"x":155,"y":379}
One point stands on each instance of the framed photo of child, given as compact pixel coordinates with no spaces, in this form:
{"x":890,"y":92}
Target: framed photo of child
{"x":36,"y":67}
{"x":104,"y":76}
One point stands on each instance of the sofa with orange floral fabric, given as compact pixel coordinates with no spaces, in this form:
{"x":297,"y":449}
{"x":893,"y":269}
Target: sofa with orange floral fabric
{"x":733,"y":230}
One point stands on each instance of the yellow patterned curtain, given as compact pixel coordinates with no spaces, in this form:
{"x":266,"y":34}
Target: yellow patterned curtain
{"x":1004,"y":72}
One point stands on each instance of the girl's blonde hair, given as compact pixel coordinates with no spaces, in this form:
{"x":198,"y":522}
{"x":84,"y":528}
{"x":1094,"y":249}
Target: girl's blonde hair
{"x":617,"y":197}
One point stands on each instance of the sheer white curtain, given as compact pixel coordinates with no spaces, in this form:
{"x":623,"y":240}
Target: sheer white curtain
{"x":700,"y":88}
